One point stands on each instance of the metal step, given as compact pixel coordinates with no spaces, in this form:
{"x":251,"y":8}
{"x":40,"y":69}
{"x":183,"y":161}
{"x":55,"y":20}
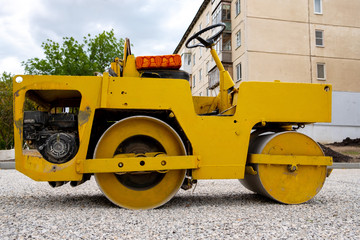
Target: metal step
{"x":11,"y":165}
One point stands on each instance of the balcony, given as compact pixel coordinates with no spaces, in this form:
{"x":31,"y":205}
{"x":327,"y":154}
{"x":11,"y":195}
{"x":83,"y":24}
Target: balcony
{"x":214,"y":74}
{"x":214,"y":77}
{"x":225,"y":56}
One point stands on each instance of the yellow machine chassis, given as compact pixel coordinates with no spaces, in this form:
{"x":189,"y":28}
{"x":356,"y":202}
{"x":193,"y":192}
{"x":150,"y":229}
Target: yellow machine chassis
{"x":219,"y":143}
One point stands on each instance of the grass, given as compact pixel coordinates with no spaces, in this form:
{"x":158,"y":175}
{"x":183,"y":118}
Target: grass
{"x":351,"y":152}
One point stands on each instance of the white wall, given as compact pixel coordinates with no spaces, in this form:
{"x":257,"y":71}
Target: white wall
{"x":345,"y":120}
{"x":7,"y":155}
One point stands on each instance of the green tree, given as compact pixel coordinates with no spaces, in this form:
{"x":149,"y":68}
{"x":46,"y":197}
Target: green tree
{"x":77,"y":59}
{"x":6,"y":112}
{"x":67,"y":58}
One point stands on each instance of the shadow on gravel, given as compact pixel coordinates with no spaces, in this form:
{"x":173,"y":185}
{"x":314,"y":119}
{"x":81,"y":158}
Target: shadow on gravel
{"x":231,"y":200}
{"x":99,"y":201}
{"x":55,"y":201}
{"x":241,"y":199}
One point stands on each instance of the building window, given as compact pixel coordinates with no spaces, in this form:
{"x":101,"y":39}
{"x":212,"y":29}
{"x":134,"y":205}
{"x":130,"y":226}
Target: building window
{"x":238,"y":72}
{"x":237,"y":7}
{"x":226,"y":12}
{"x":320,"y":71}
{"x":194,"y":81}
{"x":216,"y":16}
{"x":200,"y":73}
{"x":238,"y":38}
{"x":227,"y":46}
{"x":319,"y":35}
{"x":207,"y":92}
{"x":194,"y":59}
{"x":222,"y":14}
{"x":207,"y":67}
{"x":318,"y":6}
{"x":200,"y":94}
{"x":207,"y":18}
{"x":186,"y":58}
{"x":200,"y":27}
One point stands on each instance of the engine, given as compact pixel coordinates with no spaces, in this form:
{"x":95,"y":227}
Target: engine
{"x":55,"y":136}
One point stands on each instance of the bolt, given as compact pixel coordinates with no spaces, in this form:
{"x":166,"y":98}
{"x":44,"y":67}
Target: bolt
{"x":120,"y":164}
{"x":292,"y":168}
{"x":163,"y":162}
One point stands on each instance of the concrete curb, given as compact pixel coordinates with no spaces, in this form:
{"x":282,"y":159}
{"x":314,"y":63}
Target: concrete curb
{"x":7,"y":165}
{"x":7,"y":159}
{"x":7,"y":155}
{"x":345,"y":166}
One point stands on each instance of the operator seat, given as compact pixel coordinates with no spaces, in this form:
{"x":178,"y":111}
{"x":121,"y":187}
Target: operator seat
{"x":156,"y":73}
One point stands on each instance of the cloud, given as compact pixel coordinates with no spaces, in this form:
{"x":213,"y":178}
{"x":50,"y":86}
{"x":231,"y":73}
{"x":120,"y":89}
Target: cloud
{"x":154,"y":26}
{"x":10,"y":65}
{"x":15,"y":34}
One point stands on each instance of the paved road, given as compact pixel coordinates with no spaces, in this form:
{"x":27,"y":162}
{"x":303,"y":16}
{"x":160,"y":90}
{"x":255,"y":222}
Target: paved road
{"x":216,"y":210}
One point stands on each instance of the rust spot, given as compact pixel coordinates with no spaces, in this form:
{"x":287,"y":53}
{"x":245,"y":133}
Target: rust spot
{"x":19,"y":125}
{"x":16,"y":94}
{"x":290,"y":173}
{"x":84,"y":116}
{"x":53,"y":169}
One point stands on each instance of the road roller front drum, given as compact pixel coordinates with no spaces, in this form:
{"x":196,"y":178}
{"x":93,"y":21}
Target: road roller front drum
{"x":140,"y":135}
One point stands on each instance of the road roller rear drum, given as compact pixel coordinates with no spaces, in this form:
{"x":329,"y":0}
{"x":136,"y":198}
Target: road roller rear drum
{"x":286,"y":183}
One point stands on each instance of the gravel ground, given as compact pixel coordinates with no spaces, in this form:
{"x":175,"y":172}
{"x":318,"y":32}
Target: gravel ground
{"x":221,"y":209}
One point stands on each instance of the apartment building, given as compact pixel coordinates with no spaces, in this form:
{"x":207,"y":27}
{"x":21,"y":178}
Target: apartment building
{"x":309,"y":41}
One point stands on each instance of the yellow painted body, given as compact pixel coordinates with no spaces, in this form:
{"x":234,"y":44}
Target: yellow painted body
{"x":219,"y":142}
{"x":290,"y":168}
{"x":212,"y":146}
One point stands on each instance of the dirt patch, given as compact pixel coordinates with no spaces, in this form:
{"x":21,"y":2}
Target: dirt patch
{"x":352,"y":151}
{"x":348,"y":142}
{"x":346,"y":151}
{"x":337,"y":157}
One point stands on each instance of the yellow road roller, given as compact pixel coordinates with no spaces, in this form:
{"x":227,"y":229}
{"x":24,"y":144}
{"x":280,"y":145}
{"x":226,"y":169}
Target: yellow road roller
{"x":140,"y":132}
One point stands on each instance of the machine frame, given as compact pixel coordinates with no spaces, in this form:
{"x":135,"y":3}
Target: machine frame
{"x":216,"y":131}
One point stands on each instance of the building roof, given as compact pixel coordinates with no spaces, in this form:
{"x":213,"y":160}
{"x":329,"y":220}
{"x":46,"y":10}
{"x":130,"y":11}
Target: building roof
{"x":192,"y":24}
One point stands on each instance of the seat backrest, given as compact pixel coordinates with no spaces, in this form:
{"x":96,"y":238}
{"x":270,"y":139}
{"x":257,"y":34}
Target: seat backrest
{"x":175,"y":74}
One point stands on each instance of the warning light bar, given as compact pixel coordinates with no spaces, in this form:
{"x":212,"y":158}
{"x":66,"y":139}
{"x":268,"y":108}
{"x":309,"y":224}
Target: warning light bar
{"x":158,"y":62}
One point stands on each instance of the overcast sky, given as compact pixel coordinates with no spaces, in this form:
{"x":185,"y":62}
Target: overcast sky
{"x":154,"y":27}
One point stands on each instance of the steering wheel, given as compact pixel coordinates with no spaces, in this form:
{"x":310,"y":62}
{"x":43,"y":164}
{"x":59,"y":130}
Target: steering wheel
{"x":208,"y":42}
